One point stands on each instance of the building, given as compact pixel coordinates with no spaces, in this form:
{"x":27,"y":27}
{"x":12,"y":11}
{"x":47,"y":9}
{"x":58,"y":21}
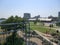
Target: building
{"x":37,"y":16}
{"x":47,"y":21}
{"x":32,"y":19}
{"x":54,"y":19}
{"x":58,"y":16}
{"x":27,"y":15}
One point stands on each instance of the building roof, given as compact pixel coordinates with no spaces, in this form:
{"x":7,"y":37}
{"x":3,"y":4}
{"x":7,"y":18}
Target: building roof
{"x":45,"y":19}
{"x":42,"y":19}
{"x":32,"y":19}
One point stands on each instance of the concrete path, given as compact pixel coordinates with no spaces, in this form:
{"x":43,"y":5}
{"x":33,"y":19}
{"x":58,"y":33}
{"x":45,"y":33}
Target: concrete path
{"x":34,"y":40}
{"x":41,"y":34}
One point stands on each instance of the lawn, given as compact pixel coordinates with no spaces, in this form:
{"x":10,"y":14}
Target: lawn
{"x":40,"y":27}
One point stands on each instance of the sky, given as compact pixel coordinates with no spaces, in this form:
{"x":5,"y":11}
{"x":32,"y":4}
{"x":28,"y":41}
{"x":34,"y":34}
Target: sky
{"x":44,"y":8}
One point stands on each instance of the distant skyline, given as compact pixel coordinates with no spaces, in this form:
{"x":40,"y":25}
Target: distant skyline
{"x":44,"y":8}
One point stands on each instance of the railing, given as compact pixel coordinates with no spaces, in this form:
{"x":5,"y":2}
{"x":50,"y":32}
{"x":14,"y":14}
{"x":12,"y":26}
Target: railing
{"x":7,"y":37}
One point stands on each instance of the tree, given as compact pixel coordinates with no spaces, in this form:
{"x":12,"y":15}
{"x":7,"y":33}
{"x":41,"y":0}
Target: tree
{"x":9,"y":20}
{"x":51,"y":25}
{"x":37,"y":20}
{"x":50,"y":16}
{"x":58,"y":24}
{"x":12,"y":19}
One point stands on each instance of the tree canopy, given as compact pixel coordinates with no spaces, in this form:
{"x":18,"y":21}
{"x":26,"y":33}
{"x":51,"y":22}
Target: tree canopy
{"x":10,"y":24}
{"x":13,"y":19}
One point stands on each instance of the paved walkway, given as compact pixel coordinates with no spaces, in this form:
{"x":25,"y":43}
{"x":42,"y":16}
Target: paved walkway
{"x":41,"y":34}
{"x":36,"y":40}
{"x":32,"y":39}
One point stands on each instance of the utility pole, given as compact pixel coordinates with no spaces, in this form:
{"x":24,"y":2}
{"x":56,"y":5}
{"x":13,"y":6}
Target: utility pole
{"x":27,"y":30}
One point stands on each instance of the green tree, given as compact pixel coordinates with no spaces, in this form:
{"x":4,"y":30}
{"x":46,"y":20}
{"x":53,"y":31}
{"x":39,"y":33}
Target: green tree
{"x":14,"y":40}
{"x":51,"y":25}
{"x":37,"y":20}
{"x":9,"y":20}
{"x":12,"y":19}
{"x":58,"y":24}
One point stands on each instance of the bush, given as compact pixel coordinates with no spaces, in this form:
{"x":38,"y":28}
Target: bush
{"x":51,"y":25}
{"x":58,"y":24}
{"x":53,"y":34}
{"x":14,"y":40}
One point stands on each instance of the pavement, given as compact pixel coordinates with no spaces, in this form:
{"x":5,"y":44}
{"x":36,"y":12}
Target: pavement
{"x":42,"y":35}
{"x":31,"y":40}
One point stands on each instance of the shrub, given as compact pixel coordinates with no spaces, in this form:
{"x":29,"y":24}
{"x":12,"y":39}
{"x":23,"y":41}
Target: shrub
{"x":53,"y":34}
{"x":58,"y":24}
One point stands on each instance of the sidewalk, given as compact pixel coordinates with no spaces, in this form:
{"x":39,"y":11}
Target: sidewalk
{"x":35,"y":40}
{"x":42,"y":35}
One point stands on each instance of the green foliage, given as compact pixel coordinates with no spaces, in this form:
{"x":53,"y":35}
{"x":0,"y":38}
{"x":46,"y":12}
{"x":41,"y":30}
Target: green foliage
{"x":51,"y":25}
{"x":40,"y":28}
{"x":12,"y":19}
{"x":36,"y":21}
{"x":53,"y":34}
{"x":58,"y":24}
{"x":14,"y":40}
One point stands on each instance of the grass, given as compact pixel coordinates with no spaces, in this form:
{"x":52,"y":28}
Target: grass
{"x":40,"y":27}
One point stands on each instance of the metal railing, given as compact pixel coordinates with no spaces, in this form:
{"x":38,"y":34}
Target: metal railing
{"x":6,"y":35}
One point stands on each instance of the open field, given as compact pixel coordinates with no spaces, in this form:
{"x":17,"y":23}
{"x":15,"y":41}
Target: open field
{"x":40,"y":28}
